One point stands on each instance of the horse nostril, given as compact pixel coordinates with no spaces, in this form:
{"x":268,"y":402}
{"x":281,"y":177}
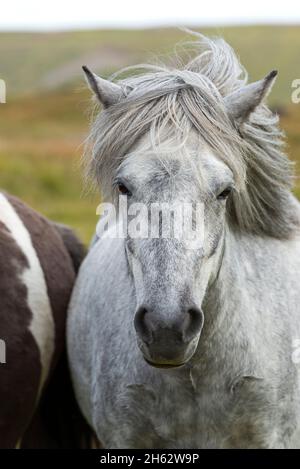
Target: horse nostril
{"x":140,"y":324}
{"x":151,"y":328}
{"x":194,"y":323}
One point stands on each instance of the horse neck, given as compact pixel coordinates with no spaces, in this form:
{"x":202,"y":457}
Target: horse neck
{"x":225,"y":303}
{"x":231,"y":342}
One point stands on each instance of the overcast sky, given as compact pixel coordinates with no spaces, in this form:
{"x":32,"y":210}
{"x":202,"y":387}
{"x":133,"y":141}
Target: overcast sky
{"x":66,"y":14}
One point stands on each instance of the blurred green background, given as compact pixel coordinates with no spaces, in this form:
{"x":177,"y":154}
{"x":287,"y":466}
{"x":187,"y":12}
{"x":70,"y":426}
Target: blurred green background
{"x":45,"y":120}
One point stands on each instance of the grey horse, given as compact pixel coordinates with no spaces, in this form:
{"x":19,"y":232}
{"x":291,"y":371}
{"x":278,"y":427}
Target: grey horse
{"x":178,"y":347}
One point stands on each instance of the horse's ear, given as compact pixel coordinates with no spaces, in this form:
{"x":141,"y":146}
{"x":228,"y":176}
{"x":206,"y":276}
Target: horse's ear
{"x":242,"y":102}
{"x":108,"y":93}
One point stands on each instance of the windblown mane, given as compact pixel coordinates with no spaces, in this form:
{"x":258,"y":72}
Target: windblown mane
{"x":191,"y":96}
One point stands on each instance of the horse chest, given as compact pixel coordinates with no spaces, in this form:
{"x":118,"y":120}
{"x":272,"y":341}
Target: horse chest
{"x":181,"y":416}
{"x":157,"y":416}
{"x":173,"y":414}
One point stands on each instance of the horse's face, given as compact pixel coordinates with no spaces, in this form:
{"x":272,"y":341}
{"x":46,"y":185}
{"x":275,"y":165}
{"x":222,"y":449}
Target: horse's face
{"x":171,"y":273}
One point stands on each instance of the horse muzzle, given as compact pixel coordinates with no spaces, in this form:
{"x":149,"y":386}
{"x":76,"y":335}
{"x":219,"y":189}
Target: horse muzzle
{"x":168,"y":343}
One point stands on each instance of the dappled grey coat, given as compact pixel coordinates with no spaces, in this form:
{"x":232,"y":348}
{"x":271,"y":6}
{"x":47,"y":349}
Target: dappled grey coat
{"x":173,"y":347}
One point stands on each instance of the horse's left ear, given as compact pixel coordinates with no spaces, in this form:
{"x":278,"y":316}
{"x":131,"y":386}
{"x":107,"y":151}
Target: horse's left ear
{"x":108,"y":93}
{"x":242,"y":102}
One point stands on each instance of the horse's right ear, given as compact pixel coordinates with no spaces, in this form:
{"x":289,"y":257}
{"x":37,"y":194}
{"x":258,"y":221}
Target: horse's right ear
{"x":108,"y":93}
{"x":241,"y":103}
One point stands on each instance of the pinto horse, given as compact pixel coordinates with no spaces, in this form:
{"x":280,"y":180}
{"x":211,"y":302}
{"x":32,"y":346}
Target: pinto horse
{"x":39,"y":261}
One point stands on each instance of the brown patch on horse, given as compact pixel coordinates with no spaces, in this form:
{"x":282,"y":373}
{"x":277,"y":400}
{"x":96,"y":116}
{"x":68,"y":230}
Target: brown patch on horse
{"x":58,"y":423}
{"x":74,"y":247}
{"x":20,"y":375}
{"x":54,"y":421}
{"x":56,"y":264}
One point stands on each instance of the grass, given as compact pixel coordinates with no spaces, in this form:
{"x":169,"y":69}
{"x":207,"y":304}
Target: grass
{"x":40,"y":146}
{"x":41,"y":131}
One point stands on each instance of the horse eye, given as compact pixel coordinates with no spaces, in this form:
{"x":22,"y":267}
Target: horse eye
{"x":223,"y":195}
{"x":123,"y":189}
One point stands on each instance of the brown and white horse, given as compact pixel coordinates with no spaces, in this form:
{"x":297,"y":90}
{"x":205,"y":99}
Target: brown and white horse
{"x":38,"y":264}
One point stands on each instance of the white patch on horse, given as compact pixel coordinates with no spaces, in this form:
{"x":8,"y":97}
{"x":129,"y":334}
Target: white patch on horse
{"x":42,"y":324}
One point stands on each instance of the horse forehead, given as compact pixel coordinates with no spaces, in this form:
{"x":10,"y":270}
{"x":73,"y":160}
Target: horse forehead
{"x":169,"y":160}
{"x":187,"y":177}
